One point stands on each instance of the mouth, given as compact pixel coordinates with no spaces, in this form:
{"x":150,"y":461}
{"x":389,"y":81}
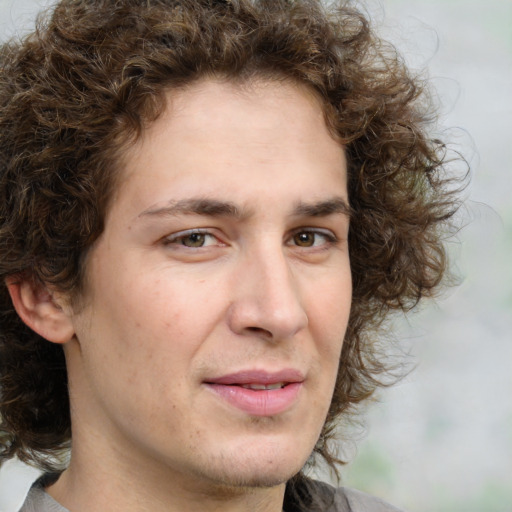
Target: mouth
{"x":258,"y":393}
{"x":261,"y":387}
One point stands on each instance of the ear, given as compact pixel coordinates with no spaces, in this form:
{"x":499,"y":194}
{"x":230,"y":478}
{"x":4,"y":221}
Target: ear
{"x":40,"y":310}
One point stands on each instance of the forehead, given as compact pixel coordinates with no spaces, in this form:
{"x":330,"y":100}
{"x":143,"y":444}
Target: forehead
{"x":236,"y":142}
{"x":217,"y":107}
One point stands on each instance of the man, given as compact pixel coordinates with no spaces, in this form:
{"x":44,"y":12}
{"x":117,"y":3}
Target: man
{"x":207,"y":210}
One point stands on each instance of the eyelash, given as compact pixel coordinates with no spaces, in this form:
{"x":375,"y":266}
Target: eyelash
{"x":329,"y":237}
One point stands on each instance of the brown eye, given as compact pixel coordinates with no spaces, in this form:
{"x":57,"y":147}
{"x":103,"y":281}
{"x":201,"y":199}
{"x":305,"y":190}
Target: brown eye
{"x":193,"y":240}
{"x":304,"y":239}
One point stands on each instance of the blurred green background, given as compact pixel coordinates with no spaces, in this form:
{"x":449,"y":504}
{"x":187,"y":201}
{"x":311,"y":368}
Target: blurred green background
{"x":441,"y":440}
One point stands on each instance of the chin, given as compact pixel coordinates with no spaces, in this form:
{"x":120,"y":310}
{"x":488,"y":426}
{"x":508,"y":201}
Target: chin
{"x":240,"y":481}
{"x":255,"y":470}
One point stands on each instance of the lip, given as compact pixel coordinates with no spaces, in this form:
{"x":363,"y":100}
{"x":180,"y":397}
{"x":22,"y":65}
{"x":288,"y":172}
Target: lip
{"x":258,"y":402}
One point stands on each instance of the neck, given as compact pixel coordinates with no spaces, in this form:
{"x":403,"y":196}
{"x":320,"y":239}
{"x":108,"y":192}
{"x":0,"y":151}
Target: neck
{"x":100,"y":489}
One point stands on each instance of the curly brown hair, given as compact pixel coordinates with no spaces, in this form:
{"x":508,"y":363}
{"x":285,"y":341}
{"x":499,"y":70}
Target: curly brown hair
{"x":80,"y":88}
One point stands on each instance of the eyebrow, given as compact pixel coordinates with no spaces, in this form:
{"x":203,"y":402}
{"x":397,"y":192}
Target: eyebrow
{"x":335,"y":205}
{"x":198,"y":206}
{"x":218,"y":208}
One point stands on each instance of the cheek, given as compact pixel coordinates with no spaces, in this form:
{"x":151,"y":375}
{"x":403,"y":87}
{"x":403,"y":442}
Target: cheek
{"x":329,"y":310}
{"x":172,"y":315}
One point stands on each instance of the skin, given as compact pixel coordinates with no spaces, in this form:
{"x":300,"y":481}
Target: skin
{"x":262,"y":284}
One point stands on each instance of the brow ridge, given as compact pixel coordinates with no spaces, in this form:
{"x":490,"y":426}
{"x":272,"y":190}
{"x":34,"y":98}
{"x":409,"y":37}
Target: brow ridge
{"x":197,"y":206}
{"x":332,"y":206}
{"x":218,"y":208}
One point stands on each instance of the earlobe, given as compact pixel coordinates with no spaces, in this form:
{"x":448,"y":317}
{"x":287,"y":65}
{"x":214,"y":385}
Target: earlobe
{"x":39,"y":310}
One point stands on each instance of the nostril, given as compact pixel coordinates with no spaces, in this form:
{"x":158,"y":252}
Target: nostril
{"x":260,"y":331}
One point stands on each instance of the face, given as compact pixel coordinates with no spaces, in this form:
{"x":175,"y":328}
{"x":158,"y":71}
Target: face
{"x":218,"y":295}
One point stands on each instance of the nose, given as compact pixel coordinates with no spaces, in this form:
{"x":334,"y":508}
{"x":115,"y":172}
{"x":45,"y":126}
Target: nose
{"x":267,"y":299}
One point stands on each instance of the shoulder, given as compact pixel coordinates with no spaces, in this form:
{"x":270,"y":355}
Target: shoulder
{"x":39,"y":501}
{"x":343,"y":499}
{"x":361,"y":502}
